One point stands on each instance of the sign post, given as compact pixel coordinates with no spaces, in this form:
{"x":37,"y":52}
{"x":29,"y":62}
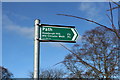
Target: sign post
{"x":50,"y":33}
{"x":36,"y":50}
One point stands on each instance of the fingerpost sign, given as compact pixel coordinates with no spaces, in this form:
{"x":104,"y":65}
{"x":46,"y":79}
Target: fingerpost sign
{"x":57,"y":33}
{"x":50,"y":33}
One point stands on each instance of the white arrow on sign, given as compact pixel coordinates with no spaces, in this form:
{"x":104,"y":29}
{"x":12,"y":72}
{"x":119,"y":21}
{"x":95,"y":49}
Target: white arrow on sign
{"x":75,"y":34}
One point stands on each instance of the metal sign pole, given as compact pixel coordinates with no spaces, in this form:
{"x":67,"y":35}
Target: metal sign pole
{"x":36,"y":49}
{"x":59,"y":34}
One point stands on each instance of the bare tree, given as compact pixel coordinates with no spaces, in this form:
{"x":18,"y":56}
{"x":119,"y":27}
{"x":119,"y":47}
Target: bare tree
{"x":5,"y":74}
{"x":50,"y":74}
{"x":97,"y":57}
{"x":99,"y":51}
{"x":113,"y":27}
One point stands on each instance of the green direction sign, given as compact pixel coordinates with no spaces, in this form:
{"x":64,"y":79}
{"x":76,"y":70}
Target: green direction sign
{"x":58,"y":33}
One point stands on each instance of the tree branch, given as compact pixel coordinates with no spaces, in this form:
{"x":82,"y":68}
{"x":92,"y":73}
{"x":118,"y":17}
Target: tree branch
{"x":87,"y":20}
{"x":80,"y":60}
{"x":92,"y":22}
{"x":113,"y":8}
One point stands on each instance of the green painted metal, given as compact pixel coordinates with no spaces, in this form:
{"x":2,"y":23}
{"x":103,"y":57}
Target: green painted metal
{"x":58,"y":33}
